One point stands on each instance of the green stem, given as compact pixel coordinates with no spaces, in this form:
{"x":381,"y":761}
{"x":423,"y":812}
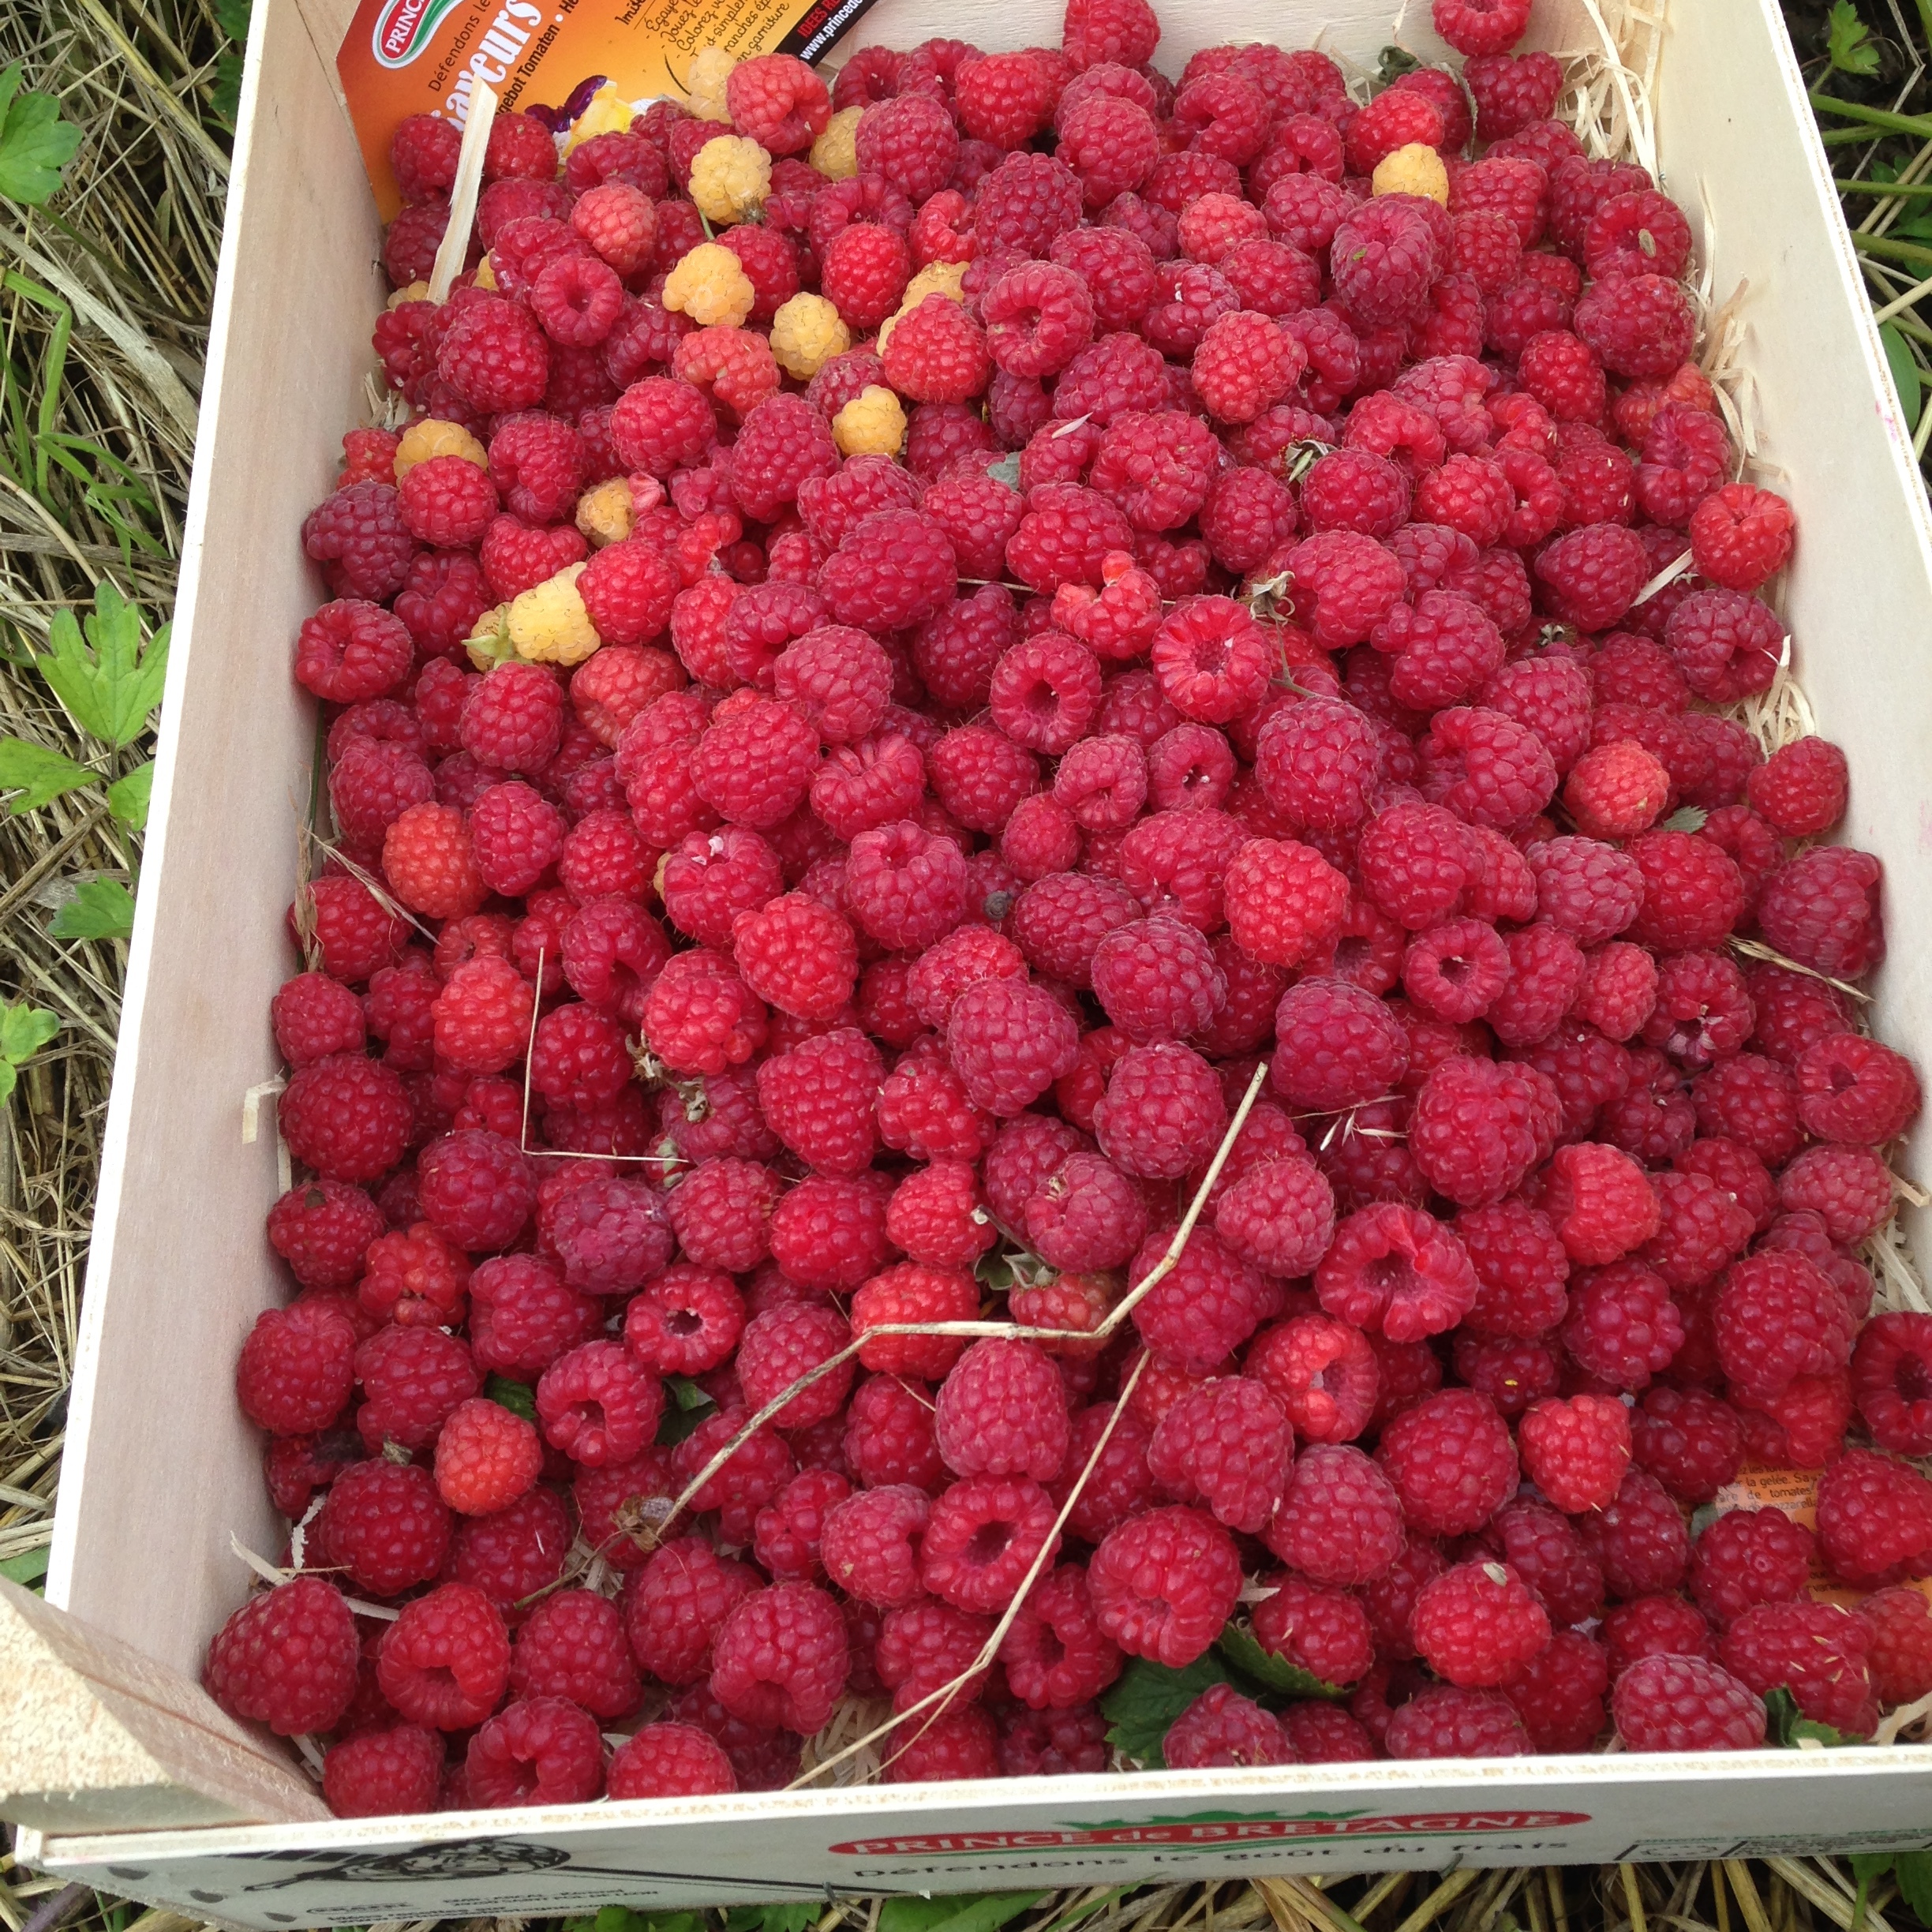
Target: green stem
{"x":1873,"y":117}
{"x":1904,"y":190}
{"x":1885,"y":248}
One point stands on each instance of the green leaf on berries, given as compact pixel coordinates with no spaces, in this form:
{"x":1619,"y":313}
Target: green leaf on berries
{"x":101,"y":908}
{"x":1913,"y":1870}
{"x":1393,"y":62}
{"x":1143,"y":1705}
{"x":1848,"y":44}
{"x":518,"y":1397}
{"x":1789,"y":1726}
{"x":1690,"y":819}
{"x":108,"y":690}
{"x":689,"y":1410}
{"x":1905,"y":378}
{"x":36,"y":774}
{"x":35,"y":143}
{"x":1244,"y":1651}
{"x":128,"y":797}
{"x":1006,"y":470}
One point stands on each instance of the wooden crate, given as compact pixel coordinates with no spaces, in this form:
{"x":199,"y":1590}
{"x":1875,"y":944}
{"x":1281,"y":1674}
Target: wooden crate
{"x":162,"y":1471}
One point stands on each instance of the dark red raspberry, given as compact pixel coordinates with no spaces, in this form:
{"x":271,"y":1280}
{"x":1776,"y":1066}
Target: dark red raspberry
{"x":1450,"y":1460}
{"x":287,"y":1659}
{"x":1816,"y":1651}
{"x":1340,"y":1520}
{"x":1450,"y":1722}
{"x":1665,"y":1703}
{"x":1164,"y":1583}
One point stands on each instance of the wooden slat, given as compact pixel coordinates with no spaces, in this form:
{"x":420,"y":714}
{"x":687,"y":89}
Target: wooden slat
{"x":95,"y":1737}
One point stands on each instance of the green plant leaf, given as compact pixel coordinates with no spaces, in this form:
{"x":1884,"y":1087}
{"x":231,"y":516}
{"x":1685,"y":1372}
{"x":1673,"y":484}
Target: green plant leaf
{"x":24,"y":1030}
{"x":1789,"y":1726}
{"x":689,"y":1410}
{"x":1905,"y":377}
{"x":127,"y":797}
{"x":232,"y":17}
{"x":1006,"y":470}
{"x":1913,"y":1870}
{"x":28,"y":1569}
{"x":107,"y":691}
{"x":1241,"y":1649}
{"x":102,"y":908}
{"x":1848,"y":44}
{"x":518,"y":1397}
{"x":37,"y":773}
{"x":1143,"y":1705}
{"x":985,"y":1912}
{"x":35,"y":143}
{"x":792,"y":1916}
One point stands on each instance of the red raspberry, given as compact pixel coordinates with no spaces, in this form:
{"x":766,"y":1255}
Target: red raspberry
{"x":669,"y":1760}
{"x":376,"y":1773}
{"x":1009,"y":1042}
{"x":486,"y":1458}
{"x":1322,"y":1373}
{"x":1055,"y":1654}
{"x":1479,"y":1623}
{"x":1396,"y":1271}
{"x":1223,"y":1727}
{"x":1665,"y":1703}
{"x":313,"y":1016}
{"x":983,"y":1537}
{"x":1478,"y":1128}
{"x":360,"y":533}
{"x":1338,"y":1046}
{"x":829,"y":1232}
{"x":1748,"y":1557}
{"x":350,"y":650}
{"x":778,"y":101}
{"x":1641,"y":1540}
{"x":597,"y":1406}
{"x":798,"y":954}
{"x":1164,"y":1583}
{"x":1777,"y":1317}
{"x":1279,"y":1217}
{"x":1874,"y":1517}
{"x":1653,"y":1626}
{"x":1450,"y":1461}
{"x":1822,"y":911}
{"x":1340,"y":1520}
{"x":347,"y":1117}
{"x":1592,"y":574}
{"x":1558,"y":1693}
{"x":1225,"y":1444}
{"x":1385,"y":253}
{"x":1511,"y":91}
{"x":541,"y":1750}
{"x":1450,"y":1722}
{"x":515,"y":1553}
{"x":1028,"y":199}
{"x":1726,"y":646}
{"x":819,"y":1099}
{"x":1800,"y":789}
{"x":1001,"y":1411}
{"x":685,"y":1322}
{"x":1900,"y":1625}
{"x":1592,"y":890}
{"x":1326,"y":1633}
{"x":1689,"y":1441}
{"x":781,"y":1348}
{"x":446,"y":1661}
{"x":915,"y":1292}
{"x":494,"y":355}
{"x":1740,"y":537}
{"x":1576,"y":1451}
{"x":1816,"y":1651}
{"x":385,"y":1525}
{"x":523,"y":1316}
{"x":676,"y":1601}
{"x":1485,"y":28}
{"x":287,"y":1659}
{"x":870,"y":1544}
{"x":321,"y":1228}
{"x":1157,"y":979}
{"x":1890,"y":1379}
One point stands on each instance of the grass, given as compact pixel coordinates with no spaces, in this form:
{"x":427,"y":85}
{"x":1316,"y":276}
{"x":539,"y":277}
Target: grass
{"x":104,"y":296}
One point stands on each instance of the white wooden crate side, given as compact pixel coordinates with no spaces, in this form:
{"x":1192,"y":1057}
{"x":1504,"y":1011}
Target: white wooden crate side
{"x":1019,"y":1834}
{"x":157,"y":1480}
{"x":160,"y":1468}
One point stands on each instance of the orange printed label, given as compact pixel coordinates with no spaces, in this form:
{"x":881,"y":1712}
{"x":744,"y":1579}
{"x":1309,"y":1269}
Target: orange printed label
{"x":1794,"y":1492}
{"x":549,"y":57}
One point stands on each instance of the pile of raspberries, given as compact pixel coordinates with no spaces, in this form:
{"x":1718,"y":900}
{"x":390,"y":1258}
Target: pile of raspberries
{"x":855,"y":747}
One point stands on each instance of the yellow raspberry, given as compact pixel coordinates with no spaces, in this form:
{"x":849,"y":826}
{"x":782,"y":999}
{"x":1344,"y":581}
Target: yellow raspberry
{"x":433,"y":437}
{"x":730,"y":177}
{"x":709,"y":70}
{"x":710,"y":285}
{"x":1415,"y":170}
{"x":871,"y":424}
{"x":549,"y":624}
{"x":417,"y":291}
{"x":835,"y":153}
{"x":806,"y":334}
{"x":609,"y":113}
{"x":605,"y":513}
{"x":485,"y":276}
